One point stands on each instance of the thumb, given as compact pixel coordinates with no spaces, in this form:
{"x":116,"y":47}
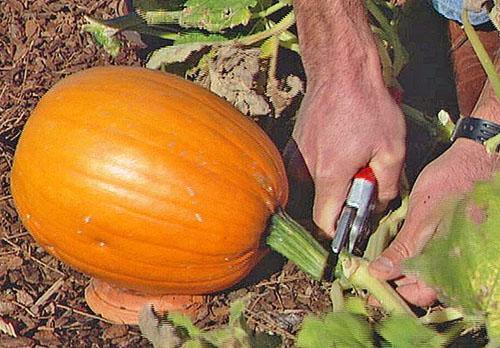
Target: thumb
{"x":387,"y":170}
{"x":419,"y":227}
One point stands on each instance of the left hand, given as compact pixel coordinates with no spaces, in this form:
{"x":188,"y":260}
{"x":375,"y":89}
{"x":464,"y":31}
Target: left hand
{"x":452,"y":174}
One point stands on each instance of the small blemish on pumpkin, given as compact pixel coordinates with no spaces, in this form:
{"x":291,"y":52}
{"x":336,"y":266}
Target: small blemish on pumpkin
{"x":79,"y":231}
{"x":102,"y":244}
{"x":28,"y":216}
{"x":269,"y":189}
{"x":190,"y":191}
{"x":198,"y":217}
{"x":49,"y":248}
{"x":226,"y":259}
{"x":87,"y":219}
{"x":269,"y":204}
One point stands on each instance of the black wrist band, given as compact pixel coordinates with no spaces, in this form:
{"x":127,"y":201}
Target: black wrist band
{"x":475,"y":128}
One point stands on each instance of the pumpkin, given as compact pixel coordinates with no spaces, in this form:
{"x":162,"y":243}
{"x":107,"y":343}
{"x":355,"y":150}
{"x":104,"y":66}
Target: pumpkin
{"x":147,"y":181}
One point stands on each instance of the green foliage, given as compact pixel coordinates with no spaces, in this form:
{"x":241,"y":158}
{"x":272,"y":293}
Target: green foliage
{"x":400,"y":331}
{"x":468,"y":257}
{"x":177,"y":330}
{"x":103,"y":35}
{"x":340,"y":329}
{"x":216,"y":15}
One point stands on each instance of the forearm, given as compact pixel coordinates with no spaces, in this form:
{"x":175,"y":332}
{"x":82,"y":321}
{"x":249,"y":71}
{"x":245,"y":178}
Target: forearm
{"x":488,"y":105}
{"x":336,"y":40}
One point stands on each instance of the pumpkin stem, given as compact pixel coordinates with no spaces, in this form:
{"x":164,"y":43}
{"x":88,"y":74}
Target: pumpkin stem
{"x":295,"y":243}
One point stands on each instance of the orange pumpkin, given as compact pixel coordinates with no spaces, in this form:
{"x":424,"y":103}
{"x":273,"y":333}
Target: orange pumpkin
{"x":146,"y":181}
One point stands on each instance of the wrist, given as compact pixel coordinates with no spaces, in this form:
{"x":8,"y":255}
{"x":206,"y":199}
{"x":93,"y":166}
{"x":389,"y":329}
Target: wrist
{"x":471,"y":151}
{"x":335,"y":39}
{"x":489,"y":112}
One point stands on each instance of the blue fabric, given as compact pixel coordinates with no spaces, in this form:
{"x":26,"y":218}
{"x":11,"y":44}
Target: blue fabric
{"x":452,"y":9}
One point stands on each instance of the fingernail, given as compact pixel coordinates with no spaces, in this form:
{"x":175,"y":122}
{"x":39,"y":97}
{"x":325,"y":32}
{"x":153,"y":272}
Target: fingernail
{"x":383,"y":265}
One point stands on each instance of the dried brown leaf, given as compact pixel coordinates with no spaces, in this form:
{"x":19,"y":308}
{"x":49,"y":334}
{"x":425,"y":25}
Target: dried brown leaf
{"x":160,"y":334}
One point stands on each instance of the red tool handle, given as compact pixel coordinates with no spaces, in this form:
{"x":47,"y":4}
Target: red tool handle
{"x":367,"y":174}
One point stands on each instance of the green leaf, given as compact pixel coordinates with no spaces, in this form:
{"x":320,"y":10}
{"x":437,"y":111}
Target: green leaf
{"x":339,"y":329}
{"x":173,"y":54}
{"x":237,"y":310}
{"x":407,"y":332}
{"x":182,"y":321}
{"x":216,"y":15}
{"x":468,"y":256}
{"x":237,"y":333}
{"x":103,"y":35}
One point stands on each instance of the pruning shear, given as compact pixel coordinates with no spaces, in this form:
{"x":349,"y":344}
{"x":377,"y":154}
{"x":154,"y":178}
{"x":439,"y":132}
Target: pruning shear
{"x":352,"y":230}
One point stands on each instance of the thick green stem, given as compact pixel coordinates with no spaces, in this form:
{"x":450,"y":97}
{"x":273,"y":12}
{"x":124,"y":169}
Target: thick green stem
{"x":132,"y":21}
{"x":400,"y":54}
{"x":270,"y":10}
{"x":387,"y":229}
{"x":481,"y":53}
{"x":356,"y":271}
{"x":280,"y":27}
{"x":161,"y":17}
{"x":295,"y":243}
{"x":442,"y":316}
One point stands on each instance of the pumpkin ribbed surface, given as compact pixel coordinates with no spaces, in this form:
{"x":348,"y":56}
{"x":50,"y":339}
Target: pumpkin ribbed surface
{"x":147,"y":181}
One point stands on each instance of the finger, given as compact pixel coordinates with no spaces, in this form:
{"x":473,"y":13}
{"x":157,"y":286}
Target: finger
{"x":387,"y":170}
{"x":328,"y":200}
{"x":418,"y":294}
{"x":420,"y":225}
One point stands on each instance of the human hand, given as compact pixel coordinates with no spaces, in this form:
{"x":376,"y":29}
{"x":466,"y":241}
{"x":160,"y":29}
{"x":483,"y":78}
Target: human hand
{"x":450,"y":175}
{"x":343,"y":128}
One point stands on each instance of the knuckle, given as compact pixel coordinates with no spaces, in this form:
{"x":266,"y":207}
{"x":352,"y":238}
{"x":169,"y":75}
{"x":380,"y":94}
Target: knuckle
{"x":388,"y":194}
{"x":400,"y":249}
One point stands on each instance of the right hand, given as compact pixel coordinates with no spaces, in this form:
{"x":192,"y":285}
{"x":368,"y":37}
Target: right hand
{"x":343,"y":128}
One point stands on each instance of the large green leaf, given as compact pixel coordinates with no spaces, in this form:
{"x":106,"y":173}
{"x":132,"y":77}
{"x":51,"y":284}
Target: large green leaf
{"x":336,"y":329}
{"x":463,"y":261}
{"x":401,"y":331}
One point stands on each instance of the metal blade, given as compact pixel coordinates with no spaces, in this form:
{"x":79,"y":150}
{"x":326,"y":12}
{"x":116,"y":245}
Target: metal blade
{"x":343,"y":228}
